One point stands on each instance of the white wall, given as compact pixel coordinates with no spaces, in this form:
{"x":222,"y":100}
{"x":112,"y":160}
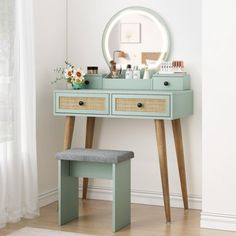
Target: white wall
{"x":87,"y":20}
{"x":50,"y":32}
{"x":219,"y":115}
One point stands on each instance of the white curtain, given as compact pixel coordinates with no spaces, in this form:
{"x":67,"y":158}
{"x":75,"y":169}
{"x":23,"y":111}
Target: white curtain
{"x":18,"y":163}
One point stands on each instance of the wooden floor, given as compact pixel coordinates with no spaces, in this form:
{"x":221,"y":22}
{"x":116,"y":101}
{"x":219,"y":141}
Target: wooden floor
{"x":96,"y":219}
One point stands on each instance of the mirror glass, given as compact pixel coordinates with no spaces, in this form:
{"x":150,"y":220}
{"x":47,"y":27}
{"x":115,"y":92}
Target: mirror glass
{"x":136,"y":36}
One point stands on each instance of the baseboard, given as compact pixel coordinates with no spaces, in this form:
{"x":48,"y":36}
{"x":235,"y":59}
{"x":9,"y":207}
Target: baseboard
{"x":218,"y":221}
{"x":137,"y":196}
{"x":48,"y":197}
{"x":145,"y":197}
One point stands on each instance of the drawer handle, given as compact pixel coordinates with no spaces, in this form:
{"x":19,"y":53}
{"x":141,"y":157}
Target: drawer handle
{"x":86,"y":82}
{"x":166,"y":83}
{"x":139,"y":104}
{"x":81,"y":103}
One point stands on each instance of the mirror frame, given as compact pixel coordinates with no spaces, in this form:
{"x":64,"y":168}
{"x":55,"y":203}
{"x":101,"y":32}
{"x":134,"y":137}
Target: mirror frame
{"x":144,"y":11}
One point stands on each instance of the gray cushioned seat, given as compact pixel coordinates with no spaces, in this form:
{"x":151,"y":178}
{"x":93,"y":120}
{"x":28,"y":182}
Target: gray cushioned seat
{"x":95,"y":155}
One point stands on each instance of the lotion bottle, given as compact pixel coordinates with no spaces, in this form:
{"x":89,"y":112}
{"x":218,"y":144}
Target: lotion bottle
{"x":136,"y":73}
{"x":146,"y":74}
{"x":129,"y":72}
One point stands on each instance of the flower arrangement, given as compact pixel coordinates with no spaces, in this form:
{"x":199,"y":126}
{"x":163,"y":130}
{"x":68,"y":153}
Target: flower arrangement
{"x":72,"y":75}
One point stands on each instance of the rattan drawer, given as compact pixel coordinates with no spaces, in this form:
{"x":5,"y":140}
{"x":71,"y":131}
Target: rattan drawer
{"x":83,"y":104}
{"x":141,"y":105}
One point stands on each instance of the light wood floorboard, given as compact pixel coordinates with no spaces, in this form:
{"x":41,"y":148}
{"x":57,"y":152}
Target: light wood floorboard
{"x":96,"y":219}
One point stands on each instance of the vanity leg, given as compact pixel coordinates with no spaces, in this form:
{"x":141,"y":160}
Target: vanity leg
{"x":161,"y":145}
{"x":176,"y":126}
{"x":88,"y":144}
{"x":68,"y":132}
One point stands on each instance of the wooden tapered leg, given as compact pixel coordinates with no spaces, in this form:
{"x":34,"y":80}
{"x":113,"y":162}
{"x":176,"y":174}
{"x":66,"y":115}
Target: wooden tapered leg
{"x":161,"y":145}
{"x":88,"y":144}
{"x":89,"y":132}
{"x":176,"y":126}
{"x":68,"y":132}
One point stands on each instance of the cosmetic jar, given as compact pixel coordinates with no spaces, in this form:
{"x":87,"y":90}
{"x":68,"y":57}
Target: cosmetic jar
{"x":92,"y":69}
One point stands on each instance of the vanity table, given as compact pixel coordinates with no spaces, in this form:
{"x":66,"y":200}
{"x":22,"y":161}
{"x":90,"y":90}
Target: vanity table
{"x":160,"y":98}
{"x":149,"y":103}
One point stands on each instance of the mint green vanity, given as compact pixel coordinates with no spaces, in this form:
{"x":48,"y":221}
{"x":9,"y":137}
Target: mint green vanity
{"x":160,"y":98}
{"x":166,"y":105}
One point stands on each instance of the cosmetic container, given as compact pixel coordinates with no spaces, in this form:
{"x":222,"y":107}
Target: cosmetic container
{"x":92,"y":69}
{"x":129,"y":72}
{"x":136,"y":73}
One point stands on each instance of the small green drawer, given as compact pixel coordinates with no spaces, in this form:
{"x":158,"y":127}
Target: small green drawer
{"x":171,"y":82}
{"x":73,"y":103}
{"x":94,"y":81}
{"x":141,"y":105}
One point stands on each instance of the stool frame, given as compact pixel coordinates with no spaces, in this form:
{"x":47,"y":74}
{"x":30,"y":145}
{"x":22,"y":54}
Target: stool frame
{"x":68,"y":195}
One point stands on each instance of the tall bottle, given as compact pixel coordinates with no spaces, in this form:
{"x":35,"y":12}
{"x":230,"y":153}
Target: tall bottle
{"x":136,"y":73}
{"x":146,"y":74}
{"x":129,"y":72}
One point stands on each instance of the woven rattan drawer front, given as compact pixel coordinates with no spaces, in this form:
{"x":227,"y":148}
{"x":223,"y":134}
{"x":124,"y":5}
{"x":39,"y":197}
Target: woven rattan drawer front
{"x":151,"y":105}
{"x":82,"y":103}
{"x":147,"y":105}
{"x":87,"y":104}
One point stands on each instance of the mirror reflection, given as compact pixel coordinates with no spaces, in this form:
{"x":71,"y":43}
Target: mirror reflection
{"x":136,"y":36}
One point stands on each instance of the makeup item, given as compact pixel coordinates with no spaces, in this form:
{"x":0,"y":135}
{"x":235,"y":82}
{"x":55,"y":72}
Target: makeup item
{"x":136,"y":73}
{"x":171,"y":67}
{"x":178,"y":66}
{"x":146,"y":74}
{"x":129,"y":72}
{"x":92,"y":69}
{"x":166,"y":67}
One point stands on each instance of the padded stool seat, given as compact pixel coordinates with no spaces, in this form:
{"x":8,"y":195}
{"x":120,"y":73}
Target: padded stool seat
{"x":94,"y":163}
{"x":95,"y":155}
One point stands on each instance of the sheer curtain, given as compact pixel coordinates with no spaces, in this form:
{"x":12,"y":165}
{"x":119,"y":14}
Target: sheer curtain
{"x":18,"y":163}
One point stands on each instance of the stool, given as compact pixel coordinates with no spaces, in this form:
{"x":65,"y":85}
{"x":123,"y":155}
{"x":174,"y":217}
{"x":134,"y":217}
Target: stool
{"x":94,"y":163}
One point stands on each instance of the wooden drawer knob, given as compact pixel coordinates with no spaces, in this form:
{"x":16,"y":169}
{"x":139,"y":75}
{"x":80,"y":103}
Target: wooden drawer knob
{"x":81,"y":103}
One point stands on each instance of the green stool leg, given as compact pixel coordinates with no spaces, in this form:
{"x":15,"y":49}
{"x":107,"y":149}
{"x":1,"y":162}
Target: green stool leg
{"x":67,"y":193}
{"x":121,"y":195}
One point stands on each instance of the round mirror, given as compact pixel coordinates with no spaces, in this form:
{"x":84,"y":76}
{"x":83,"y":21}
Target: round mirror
{"x":136,"y":36}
